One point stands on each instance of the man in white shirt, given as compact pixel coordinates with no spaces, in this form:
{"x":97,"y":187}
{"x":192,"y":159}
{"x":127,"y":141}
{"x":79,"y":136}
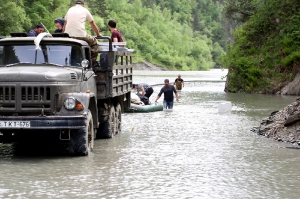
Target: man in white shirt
{"x":75,"y":26}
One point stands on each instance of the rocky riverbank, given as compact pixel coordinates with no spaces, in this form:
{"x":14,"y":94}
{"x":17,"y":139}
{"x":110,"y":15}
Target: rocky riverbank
{"x":148,"y":66}
{"x":283,"y":126}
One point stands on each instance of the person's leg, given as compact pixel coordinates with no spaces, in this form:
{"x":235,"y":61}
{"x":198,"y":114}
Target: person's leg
{"x":178,"y":86}
{"x":165,"y":104}
{"x":149,"y":92}
{"x":170,"y":104}
{"x":93,"y":43}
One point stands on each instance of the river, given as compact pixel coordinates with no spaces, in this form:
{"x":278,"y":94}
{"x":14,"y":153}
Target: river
{"x":193,"y":152}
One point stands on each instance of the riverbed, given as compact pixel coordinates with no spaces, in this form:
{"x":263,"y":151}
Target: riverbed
{"x":192,"y":152}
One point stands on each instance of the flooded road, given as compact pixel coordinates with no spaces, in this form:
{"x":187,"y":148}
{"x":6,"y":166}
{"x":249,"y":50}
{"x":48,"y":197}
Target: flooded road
{"x":193,"y":152}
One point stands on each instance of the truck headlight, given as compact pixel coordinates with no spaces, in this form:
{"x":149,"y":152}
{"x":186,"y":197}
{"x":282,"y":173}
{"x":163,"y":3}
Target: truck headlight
{"x":70,"y":103}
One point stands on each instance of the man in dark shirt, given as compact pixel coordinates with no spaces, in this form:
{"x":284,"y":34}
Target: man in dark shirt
{"x":36,"y":31}
{"x":179,"y":83}
{"x":168,"y":95}
{"x":116,"y":35}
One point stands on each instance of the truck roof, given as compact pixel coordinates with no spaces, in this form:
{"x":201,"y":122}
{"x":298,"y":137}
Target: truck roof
{"x":46,"y":39}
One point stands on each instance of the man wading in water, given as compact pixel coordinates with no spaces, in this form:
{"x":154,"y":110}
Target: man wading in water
{"x":168,"y":95}
{"x":179,"y":83}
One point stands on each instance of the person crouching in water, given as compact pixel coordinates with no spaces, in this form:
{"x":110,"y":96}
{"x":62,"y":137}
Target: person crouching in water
{"x":168,"y":90}
{"x":145,"y":89}
{"x":59,"y":24}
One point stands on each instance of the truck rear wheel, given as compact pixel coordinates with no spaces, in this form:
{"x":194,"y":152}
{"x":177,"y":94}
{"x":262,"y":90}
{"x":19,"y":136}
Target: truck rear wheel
{"x":82,"y":140}
{"x":118,"y":119}
{"x":108,"y":128}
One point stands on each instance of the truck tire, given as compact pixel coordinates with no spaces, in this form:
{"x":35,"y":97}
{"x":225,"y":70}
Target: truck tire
{"x":82,"y":140}
{"x":108,"y":128}
{"x":118,"y":118}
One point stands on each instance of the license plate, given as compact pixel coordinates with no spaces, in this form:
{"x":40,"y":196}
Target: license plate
{"x":15,"y":124}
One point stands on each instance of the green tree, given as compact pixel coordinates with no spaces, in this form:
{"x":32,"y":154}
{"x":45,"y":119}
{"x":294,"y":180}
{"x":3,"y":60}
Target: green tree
{"x":177,"y":34}
{"x":13,"y":17}
{"x":265,"y":54}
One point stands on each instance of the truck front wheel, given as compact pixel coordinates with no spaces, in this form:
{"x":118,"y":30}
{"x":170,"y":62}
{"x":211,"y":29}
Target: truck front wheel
{"x":82,"y":140}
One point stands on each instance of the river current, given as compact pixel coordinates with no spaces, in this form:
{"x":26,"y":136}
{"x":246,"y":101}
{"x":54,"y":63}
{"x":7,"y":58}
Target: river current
{"x":192,"y":152}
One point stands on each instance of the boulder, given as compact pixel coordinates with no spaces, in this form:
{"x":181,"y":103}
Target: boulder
{"x":283,"y":125}
{"x":293,"y":87}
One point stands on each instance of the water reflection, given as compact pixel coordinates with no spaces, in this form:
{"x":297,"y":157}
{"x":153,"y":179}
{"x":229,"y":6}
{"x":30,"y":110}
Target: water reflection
{"x":193,"y":152}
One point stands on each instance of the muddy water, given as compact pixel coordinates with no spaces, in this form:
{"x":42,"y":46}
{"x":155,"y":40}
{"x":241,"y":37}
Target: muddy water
{"x":193,"y":152}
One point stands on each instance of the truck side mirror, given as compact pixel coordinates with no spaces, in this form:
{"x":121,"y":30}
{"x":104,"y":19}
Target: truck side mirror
{"x":85,"y":64}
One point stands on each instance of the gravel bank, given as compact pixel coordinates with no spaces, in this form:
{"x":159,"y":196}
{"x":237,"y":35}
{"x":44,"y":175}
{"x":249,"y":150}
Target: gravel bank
{"x":147,"y":66}
{"x":283,"y":126}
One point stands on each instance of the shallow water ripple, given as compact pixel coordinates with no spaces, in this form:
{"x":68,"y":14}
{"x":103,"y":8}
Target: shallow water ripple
{"x":193,"y":152}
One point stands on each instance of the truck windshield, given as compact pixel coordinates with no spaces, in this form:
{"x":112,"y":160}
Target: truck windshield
{"x":48,"y":54}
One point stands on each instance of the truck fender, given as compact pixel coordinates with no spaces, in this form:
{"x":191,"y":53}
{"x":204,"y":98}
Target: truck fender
{"x":88,"y":100}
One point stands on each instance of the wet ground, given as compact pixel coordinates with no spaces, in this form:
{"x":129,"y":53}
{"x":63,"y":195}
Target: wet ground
{"x":193,"y":152}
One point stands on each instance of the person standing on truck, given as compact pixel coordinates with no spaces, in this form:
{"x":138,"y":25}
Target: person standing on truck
{"x":36,"y":31}
{"x":75,"y":26}
{"x":116,"y":35}
{"x":168,"y":91}
{"x":145,"y":89}
{"x":59,"y":24}
{"x":179,"y":83}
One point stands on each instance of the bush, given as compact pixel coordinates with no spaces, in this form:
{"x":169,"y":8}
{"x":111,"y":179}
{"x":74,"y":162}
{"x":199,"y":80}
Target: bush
{"x":266,"y":49}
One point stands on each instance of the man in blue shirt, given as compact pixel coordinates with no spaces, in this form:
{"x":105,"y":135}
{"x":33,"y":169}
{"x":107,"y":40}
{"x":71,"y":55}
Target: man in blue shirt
{"x":168,"y":91}
{"x":36,"y":31}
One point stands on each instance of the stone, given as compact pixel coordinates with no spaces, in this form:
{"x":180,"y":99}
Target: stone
{"x":283,"y":125}
{"x":293,"y":87}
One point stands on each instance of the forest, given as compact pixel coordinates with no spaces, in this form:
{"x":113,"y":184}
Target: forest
{"x":175,"y":34}
{"x":265,"y":54}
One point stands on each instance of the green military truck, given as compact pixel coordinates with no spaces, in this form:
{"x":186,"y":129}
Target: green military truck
{"x":51,"y":92}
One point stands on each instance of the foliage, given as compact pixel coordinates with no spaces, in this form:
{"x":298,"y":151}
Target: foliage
{"x":16,"y":20}
{"x":177,"y":34}
{"x":266,"y":50}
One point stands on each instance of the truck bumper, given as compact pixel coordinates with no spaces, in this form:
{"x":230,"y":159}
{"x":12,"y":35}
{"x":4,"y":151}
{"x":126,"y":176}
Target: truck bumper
{"x":46,"y":122}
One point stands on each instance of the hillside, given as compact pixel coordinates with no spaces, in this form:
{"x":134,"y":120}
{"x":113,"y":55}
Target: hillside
{"x":265,"y":56}
{"x":176,"y":34}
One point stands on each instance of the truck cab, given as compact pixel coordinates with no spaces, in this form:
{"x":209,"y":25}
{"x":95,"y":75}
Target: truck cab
{"x":49,"y":88}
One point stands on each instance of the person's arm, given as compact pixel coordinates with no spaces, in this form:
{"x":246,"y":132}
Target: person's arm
{"x":176,"y":93}
{"x":158,"y":96}
{"x":175,"y":81}
{"x":65,"y":24}
{"x":64,"y":28}
{"x":143,"y":91}
{"x":115,"y":39}
{"x":95,"y":28}
{"x":182,"y":83}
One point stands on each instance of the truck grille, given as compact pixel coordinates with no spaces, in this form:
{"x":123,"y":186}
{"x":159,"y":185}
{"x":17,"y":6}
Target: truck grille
{"x":35,"y":97}
{"x":8,"y":97}
{"x":20,"y":98}
{"x":40,"y":94}
{"x":7,"y":93}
